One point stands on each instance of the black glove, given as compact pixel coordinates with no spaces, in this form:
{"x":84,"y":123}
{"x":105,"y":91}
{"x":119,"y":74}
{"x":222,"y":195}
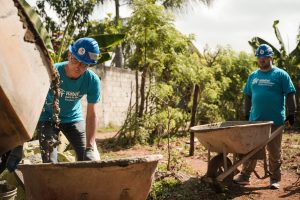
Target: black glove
{"x":247,"y":117}
{"x":291,"y":119}
{"x":3,"y":160}
{"x":14,"y":158}
{"x":89,"y":154}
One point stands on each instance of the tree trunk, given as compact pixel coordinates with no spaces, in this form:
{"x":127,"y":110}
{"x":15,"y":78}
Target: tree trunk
{"x":193,"y":118}
{"x":118,"y":57}
{"x":136,"y":101}
{"x":118,"y":49}
{"x":142,"y":91}
{"x":148,"y":93}
{"x":136,"y":91}
{"x":117,"y":7}
{"x":169,"y":136}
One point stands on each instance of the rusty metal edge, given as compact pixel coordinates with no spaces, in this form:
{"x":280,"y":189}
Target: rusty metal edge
{"x":123,"y":162}
{"x":255,"y":123}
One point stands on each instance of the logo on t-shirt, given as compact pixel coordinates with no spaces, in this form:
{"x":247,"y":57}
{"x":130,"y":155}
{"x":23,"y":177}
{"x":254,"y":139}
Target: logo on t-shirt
{"x":255,"y":81}
{"x":262,"y":82}
{"x":70,"y":95}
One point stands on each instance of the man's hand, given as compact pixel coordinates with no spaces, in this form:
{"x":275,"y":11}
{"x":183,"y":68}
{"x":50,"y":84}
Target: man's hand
{"x":291,"y":119}
{"x":89,"y":154}
{"x":14,"y":158}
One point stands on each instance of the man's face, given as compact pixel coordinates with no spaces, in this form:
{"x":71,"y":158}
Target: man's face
{"x":76,"y":67}
{"x":264,"y":62}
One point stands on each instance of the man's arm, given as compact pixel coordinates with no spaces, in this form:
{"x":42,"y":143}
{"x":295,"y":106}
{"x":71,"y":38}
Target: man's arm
{"x":91,"y":124}
{"x":291,"y":103}
{"x":14,"y":158}
{"x":291,"y":107}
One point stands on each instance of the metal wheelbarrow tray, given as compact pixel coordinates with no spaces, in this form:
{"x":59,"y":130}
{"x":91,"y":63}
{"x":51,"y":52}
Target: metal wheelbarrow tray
{"x":237,"y":137}
{"x":124,"y":179}
{"x":25,"y":74}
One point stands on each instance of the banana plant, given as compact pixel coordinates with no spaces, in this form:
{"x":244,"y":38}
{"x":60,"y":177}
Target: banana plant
{"x":287,"y":61}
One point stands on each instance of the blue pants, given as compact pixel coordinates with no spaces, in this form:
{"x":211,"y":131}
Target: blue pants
{"x":48,"y":138}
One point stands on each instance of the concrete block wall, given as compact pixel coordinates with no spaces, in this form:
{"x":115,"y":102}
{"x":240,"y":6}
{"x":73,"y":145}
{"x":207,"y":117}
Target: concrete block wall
{"x":117,"y":90}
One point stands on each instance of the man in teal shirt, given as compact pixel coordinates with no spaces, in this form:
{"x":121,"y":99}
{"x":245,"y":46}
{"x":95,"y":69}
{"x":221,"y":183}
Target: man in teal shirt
{"x":76,"y":81}
{"x":267,"y":91}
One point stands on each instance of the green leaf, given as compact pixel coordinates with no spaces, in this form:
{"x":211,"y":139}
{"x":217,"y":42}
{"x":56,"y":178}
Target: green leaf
{"x":104,"y":57}
{"x":108,"y":40}
{"x":296,"y":53}
{"x":37,"y":24}
{"x":278,"y":35}
{"x":276,"y":22}
{"x":256,"y":41}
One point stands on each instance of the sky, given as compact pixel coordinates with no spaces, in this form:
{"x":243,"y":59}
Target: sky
{"x":235,"y":22}
{"x":231,"y":22}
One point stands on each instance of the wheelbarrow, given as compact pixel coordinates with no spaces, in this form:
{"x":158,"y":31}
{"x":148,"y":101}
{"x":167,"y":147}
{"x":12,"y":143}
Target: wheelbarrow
{"x":236,"y":137}
{"x":121,"y":179}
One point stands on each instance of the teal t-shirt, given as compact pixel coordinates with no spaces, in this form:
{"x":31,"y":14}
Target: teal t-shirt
{"x":268,"y":91}
{"x":71,"y":91}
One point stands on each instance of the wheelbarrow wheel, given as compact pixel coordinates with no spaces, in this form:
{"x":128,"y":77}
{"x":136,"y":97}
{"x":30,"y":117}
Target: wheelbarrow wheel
{"x":215,"y":168}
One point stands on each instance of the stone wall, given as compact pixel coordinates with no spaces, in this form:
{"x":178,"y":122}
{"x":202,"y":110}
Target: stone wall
{"x":117,"y":91}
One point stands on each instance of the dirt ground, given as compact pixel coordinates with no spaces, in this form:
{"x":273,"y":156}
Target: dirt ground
{"x":258,"y":188}
{"x":197,"y":166}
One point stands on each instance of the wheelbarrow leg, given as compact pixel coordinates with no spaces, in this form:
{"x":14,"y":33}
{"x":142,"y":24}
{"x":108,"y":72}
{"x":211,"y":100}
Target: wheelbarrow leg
{"x":208,"y":156}
{"x":249,"y":155}
{"x":267,"y":172}
{"x":234,"y":160}
{"x":225,"y":158}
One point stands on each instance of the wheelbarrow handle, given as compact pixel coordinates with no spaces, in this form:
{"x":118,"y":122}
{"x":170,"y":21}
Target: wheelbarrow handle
{"x":249,"y":155}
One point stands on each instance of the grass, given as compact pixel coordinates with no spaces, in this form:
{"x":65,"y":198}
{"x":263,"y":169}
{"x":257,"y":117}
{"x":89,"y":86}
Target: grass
{"x":109,"y":128}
